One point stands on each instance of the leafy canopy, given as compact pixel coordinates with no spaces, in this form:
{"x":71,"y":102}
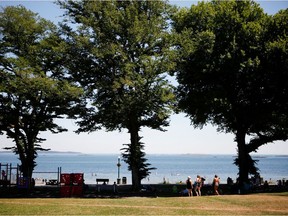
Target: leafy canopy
{"x":34,"y":89}
{"x":120,"y":53}
{"x":232,"y":72}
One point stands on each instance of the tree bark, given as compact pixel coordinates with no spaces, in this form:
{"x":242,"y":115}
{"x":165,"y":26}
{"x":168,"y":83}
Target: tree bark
{"x":134,"y":138}
{"x":242,"y":156}
{"x":26,"y":157}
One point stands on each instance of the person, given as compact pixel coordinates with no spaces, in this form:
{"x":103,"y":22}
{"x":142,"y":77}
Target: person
{"x":216,"y":182}
{"x":229,"y":181}
{"x":266,"y":186}
{"x":4,"y":176}
{"x":198,"y":184}
{"x":189,"y":186}
{"x":115,"y":188}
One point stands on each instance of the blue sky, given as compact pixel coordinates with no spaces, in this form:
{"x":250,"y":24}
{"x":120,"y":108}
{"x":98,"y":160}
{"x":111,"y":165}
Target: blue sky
{"x":180,"y":137}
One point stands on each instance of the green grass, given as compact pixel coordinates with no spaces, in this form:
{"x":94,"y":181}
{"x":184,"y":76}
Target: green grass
{"x":256,"y":204}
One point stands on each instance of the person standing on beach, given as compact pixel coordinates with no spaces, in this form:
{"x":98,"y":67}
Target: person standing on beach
{"x":216,"y":182}
{"x":198,"y":184}
{"x":189,"y":186}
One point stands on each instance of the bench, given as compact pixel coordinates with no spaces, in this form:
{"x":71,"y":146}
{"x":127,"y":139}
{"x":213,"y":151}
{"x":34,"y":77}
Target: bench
{"x":105,"y":181}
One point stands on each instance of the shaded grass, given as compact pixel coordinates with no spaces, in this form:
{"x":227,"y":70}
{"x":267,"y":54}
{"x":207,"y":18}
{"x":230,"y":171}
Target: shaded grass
{"x":256,"y":204}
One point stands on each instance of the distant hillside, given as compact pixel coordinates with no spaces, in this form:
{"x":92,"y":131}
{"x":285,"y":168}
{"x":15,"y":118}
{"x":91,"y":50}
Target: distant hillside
{"x":47,"y":152}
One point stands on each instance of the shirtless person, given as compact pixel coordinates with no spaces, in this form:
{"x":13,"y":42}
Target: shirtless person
{"x":216,"y":182}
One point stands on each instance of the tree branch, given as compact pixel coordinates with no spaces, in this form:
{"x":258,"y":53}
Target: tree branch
{"x":261,"y":139}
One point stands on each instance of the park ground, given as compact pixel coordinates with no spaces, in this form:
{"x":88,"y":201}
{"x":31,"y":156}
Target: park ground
{"x":162,"y":201}
{"x":252,"y":204}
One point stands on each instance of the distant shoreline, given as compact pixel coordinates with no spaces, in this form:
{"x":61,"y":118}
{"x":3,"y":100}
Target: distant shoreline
{"x":255,"y":155}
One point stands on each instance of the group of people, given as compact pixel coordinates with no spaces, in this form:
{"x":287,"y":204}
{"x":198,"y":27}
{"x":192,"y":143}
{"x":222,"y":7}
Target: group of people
{"x":198,"y":183}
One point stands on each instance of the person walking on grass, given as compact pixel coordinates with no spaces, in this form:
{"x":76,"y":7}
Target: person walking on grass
{"x":216,"y":182}
{"x":198,"y":184}
{"x":189,"y":186}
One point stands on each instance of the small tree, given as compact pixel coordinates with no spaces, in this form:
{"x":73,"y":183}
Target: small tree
{"x":120,"y":54}
{"x":136,"y":155}
{"x":233,"y":73}
{"x":33,"y":87}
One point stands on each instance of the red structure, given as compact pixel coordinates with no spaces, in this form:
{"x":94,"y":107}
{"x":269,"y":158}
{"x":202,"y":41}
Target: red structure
{"x":71,"y":184}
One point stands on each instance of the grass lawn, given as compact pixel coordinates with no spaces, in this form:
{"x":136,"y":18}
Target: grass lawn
{"x":254,"y":204}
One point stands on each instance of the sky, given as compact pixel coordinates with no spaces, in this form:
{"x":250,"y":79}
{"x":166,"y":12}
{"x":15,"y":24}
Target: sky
{"x":180,"y":137}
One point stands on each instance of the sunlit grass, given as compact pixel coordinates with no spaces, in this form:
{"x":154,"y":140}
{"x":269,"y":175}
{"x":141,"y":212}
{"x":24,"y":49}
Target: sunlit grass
{"x":263,"y":204}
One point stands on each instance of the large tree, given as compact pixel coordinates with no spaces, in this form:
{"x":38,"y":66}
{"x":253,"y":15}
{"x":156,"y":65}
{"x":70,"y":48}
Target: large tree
{"x":232,"y":73}
{"x":33,"y":88}
{"x":120,"y":53}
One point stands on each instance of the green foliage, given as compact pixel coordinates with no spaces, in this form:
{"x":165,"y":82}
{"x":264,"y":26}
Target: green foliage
{"x":33,"y":87}
{"x":120,"y":53}
{"x":232,"y":72}
{"x":136,"y":156}
{"x":121,"y":56}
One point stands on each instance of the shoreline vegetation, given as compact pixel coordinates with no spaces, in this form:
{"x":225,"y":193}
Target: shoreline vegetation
{"x":125,"y":190}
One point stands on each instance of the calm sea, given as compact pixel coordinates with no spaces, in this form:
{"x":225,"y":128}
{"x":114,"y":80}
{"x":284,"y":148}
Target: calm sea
{"x":170,"y":168}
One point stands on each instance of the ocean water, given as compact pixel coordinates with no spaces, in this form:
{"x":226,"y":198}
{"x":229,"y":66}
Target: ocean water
{"x":170,"y":168}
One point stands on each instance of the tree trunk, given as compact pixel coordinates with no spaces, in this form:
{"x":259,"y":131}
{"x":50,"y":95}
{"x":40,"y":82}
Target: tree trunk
{"x":242,"y":157}
{"x":134,"y":137}
{"x":27,"y":167}
{"x":26,"y":156}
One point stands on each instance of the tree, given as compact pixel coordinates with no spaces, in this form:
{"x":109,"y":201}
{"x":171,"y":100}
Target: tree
{"x":134,"y":155}
{"x":120,"y":53}
{"x":232,"y":73}
{"x":33,"y":87}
